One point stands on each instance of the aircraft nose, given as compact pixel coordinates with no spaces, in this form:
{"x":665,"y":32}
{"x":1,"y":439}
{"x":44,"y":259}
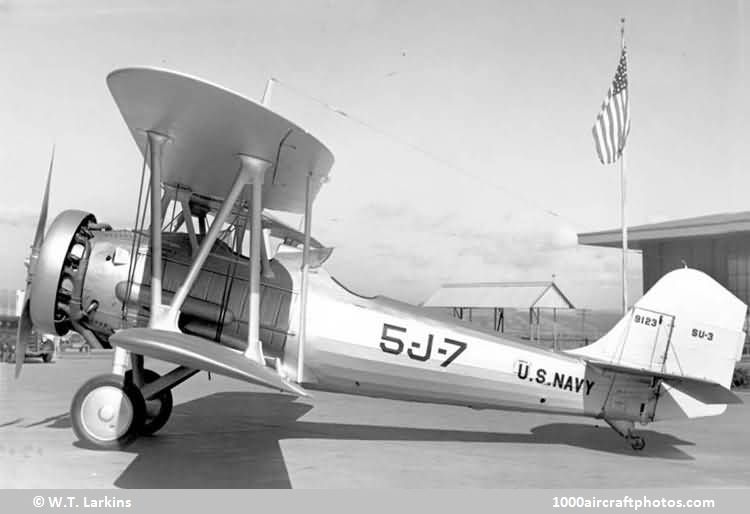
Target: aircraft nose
{"x":57,"y":272}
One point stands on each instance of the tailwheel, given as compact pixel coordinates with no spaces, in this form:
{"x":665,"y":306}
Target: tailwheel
{"x":626,"y":429}
{"x":637,"y":443}
{"x":107,"y":412}
{"x":158,"y":409}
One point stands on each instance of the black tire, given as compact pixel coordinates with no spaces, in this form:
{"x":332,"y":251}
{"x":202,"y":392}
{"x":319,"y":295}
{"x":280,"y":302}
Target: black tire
{"x":638,"y":443}
{"x":163,"y":402}
{"x":85,"y":348}
{"x":133,"y":401}
{"x":47,"y":357}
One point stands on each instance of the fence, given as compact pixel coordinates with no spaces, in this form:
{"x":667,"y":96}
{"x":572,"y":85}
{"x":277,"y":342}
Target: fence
{"x":575,"y":327}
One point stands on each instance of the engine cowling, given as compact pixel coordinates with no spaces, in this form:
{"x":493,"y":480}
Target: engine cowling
{"x":58,"y":272}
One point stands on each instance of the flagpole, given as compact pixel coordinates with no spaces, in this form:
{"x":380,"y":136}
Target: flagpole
{"x":623,"y":184}
{"x":623,"y":219}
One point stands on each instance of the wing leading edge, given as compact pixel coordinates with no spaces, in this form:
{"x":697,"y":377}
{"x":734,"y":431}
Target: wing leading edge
{"x":194,"y":352}
{"x":208,"y":126}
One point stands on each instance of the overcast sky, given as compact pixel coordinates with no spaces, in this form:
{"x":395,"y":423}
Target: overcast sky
{"x":477,"y":162}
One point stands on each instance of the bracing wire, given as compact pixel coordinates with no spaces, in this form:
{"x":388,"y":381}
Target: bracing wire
{"x":173,"y":216}
{"x":229,"y":283}
{"x":430,"y":155}
{"x":136,"y":235}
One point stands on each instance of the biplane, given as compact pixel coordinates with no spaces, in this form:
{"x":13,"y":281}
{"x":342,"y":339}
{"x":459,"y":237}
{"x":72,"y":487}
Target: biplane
{"x":208,"y":279}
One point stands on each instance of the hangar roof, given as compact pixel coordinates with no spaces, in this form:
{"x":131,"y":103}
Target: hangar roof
{"x":512,"y":295}
{"x":702,"y":226}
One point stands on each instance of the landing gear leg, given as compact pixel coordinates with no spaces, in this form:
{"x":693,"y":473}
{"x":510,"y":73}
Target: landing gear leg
{"x":626,"y":429}
{"x":158,"y":408}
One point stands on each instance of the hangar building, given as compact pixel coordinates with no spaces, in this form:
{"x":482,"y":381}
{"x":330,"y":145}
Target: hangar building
{"x":718,"y":245}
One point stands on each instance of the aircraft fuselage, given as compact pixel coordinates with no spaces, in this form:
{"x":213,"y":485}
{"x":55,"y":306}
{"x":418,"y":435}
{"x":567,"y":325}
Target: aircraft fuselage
{"x":384,"y":348}
{"x":357,"y":345}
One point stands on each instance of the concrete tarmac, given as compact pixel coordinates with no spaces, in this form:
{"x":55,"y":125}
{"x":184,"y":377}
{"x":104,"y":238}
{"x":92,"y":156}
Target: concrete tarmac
{"x":227,"y":434}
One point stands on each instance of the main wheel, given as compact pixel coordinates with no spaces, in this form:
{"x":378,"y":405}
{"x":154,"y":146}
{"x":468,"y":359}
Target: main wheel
{"x":637,"y":443}
{"x":158,"y":409}
{"x":107,"y":412}
{"x":47,"y":357}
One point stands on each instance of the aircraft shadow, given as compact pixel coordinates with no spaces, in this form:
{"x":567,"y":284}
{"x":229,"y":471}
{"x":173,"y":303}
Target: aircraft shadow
{"x":59,"y":421}
{"x":232,"y":440}
{"x":11,"y":422}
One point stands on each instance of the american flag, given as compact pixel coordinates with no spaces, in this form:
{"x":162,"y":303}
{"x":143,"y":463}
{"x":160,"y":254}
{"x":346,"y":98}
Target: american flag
{"x":613,"y":122}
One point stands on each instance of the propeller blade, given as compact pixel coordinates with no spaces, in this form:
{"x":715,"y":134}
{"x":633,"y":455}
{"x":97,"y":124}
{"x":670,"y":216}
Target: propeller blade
{"x":23,"y":334}
{"x":24,"y":322}
{"x":39,"y":236}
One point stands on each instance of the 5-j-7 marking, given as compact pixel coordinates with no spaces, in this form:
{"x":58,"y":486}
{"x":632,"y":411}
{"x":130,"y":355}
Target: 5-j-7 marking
{"x":390,"y":342}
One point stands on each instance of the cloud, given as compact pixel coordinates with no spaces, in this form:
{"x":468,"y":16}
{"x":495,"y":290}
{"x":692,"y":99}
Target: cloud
{"x":408,"y":250}
{"x":405,"y":257}
{"x":526,"y":247}
{"x":422,"y":239}
{"x":407,"y":218}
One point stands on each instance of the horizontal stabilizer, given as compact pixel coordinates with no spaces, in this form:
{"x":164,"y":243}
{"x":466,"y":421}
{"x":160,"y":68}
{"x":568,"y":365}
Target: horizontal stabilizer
{"x":197,"y":353}
{"x":704,"y":391}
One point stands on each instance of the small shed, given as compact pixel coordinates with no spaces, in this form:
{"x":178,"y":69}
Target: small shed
{"x":498,"y":296}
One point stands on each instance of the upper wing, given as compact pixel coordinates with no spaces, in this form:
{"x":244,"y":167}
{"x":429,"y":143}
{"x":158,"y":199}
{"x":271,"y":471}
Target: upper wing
{"x":208,"y":126}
